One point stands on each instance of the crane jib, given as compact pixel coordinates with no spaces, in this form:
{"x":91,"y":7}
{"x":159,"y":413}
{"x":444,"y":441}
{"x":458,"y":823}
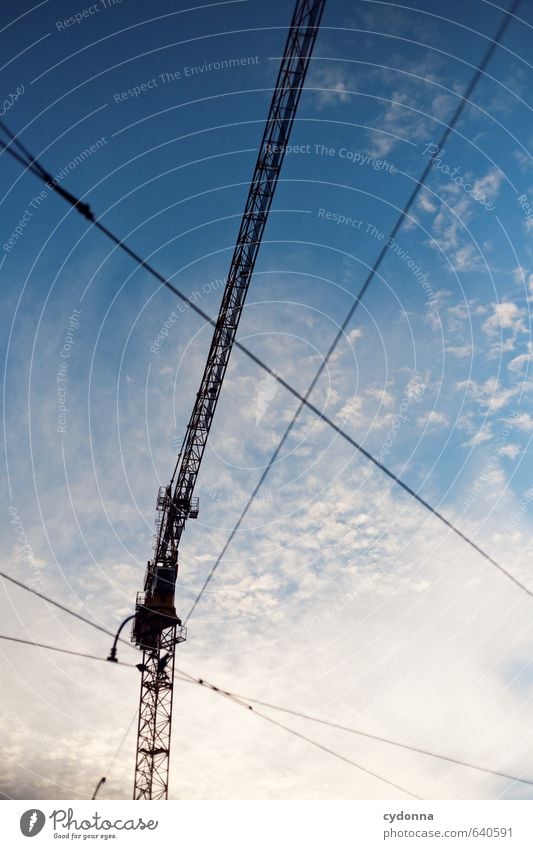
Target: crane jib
{"x":263,"y":184}
{"x":157,"y":627}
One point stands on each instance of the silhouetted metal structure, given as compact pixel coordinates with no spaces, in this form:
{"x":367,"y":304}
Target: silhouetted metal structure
{"x":157,"y":628}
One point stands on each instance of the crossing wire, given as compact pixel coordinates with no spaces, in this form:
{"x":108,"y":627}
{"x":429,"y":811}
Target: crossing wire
{"x":232,"y":698}
{"x":326,"y":749}
{"x":248,"y":702}
{"x":365,"y":734}
{"x":238,"y":701}
{"x":56,"y":604}
{"x":119,"y":747}
{"x":84,"y":209}
{"x":58,"y":649}
{"x":32,"y":164}
{"x":372,"y":273}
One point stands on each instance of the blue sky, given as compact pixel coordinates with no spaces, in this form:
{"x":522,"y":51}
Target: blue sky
{"x":340,"y":595}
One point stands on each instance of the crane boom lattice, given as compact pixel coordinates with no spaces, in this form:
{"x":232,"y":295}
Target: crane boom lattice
{"x":157,"y":628}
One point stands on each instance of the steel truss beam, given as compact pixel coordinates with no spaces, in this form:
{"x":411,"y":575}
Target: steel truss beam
{"x":156,"y":617}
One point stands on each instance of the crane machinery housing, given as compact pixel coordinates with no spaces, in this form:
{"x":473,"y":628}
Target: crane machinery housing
{"x":157,"y":628}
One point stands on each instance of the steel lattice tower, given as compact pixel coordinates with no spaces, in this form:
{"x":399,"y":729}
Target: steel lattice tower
{"x":157,"y":628}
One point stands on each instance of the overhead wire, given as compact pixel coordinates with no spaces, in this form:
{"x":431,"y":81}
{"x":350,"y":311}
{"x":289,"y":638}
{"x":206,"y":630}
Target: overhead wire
{"x":465,"y":98}
{"x":59,"y":649}
{"x":119,"y":747}
{"x":187,"y":678}
{"x":55,"y":603}
{"x":33,"y":165}
{"x":238,"y":701}
{"x":328,"y":750}
{"x":248,"y":702}
{"x":62,"y":607}
{"x":84,"y":209}
{"x":365,"y":734}
{"x":24,"y":157}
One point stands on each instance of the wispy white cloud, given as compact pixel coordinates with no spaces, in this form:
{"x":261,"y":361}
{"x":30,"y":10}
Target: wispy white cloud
{"x":460,"y":351}
{"x":504,"y":325}
{"x":491,"y":395}
{"x":521,"y":363}
{"x":522,"y":421}
{"x":510,"y":450}
{"x":489,"y":185}
{"x":339,"y":594}
{"x":524,"y":160}
{"x":332,"y":84}
{"x":433,"y":418}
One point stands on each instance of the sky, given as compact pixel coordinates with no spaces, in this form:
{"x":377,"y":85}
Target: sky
{"x":340,"y":596}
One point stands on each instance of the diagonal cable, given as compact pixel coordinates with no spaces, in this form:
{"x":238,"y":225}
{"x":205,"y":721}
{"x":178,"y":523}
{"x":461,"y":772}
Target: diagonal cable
{"x":61,"y":606}
{"x":372,"y":273}
{"x":245,"y":701}
{"x":60,"y":649}
{"x":238,"y":701}
{"x":85,"y":210}
{"x":375,"y":737}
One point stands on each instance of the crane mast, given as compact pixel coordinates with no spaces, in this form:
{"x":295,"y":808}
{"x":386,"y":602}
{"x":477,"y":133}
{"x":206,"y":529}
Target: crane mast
{"x":157,"y":628}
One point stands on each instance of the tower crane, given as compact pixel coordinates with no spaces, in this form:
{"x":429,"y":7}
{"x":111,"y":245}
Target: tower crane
{"x":157,"y":628}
